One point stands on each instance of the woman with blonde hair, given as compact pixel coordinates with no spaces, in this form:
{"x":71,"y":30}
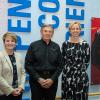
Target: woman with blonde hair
{"x":76,"y":55}
{"x":12,"y":73}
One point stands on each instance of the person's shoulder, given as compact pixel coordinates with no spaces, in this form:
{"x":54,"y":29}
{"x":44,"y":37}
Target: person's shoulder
{"x":1,"y":56}
{"x":1,"y":53}
{"x":35,"y":42}
{"x":18,"y":54}
{"x":55,"y":44}
{"x":84,"y":42}
{"x":64,"y":43}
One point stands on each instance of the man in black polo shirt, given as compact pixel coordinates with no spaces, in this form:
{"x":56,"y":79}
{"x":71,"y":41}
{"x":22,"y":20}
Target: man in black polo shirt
{"x":43,"y":64}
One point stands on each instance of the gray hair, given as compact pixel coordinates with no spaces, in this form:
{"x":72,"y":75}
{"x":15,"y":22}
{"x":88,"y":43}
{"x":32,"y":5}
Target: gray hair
{"x":47,"y":25}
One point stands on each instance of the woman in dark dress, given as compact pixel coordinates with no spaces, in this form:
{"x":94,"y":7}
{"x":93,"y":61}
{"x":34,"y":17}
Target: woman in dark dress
{"x":76,"y":55}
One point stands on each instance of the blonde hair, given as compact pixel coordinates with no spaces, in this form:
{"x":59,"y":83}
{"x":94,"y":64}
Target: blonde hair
{"x":12,"y":35}
{"x":73,"y":23}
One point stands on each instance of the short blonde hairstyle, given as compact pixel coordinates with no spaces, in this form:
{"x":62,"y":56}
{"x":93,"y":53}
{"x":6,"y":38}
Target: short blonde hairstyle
{"x":12,"y":35}
{"x":73,"y":23}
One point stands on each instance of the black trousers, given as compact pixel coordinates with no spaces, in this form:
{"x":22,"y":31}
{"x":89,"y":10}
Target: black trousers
{"x":11,"y":97}
{"x":39,"y":93}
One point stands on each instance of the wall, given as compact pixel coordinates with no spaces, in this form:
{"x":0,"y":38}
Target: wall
{"x":26,"y":21}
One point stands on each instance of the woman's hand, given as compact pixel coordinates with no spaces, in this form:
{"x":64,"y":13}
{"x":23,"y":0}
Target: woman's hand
{"x":17,"y":91}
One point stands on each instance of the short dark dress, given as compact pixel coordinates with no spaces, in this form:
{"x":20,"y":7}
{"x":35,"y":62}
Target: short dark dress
{"x":75,"y":80}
